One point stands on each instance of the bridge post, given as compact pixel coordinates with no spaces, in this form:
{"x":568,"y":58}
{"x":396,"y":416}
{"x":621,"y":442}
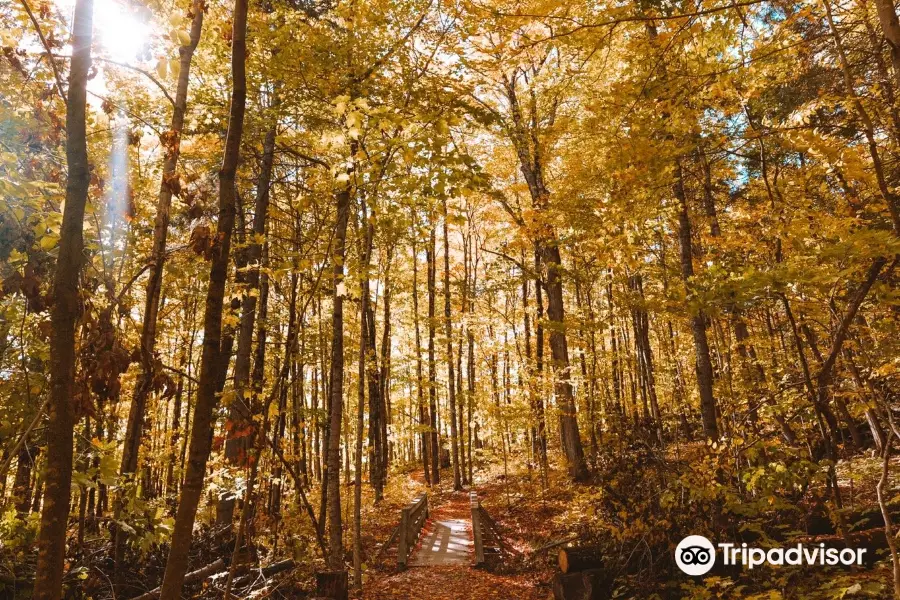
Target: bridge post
{"x":476,"y":528}
{"x":403,"y":542}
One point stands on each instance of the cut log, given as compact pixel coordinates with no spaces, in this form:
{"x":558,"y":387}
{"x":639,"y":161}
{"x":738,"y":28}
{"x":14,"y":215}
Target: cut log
{"x":572,"y":560}
{"x":267,"y":571}
{"x":278,"y":567}
{"x":332,"y":584}
{"x":192,"y":577}
{"x":584,"y":585}
{"x":552,"y":545}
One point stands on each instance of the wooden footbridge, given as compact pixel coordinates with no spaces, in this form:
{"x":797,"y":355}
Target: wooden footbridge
{"x":444,"y":537}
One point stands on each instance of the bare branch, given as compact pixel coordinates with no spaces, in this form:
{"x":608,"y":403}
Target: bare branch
{"x":37,"y":27}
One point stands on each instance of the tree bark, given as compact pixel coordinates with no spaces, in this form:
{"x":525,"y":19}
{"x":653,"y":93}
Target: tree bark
{"x":703,"y":364}
{"x":890,"y":27}
{"x":451,"y":377}
{"x":470,"y":365}
{"x":432,"y":367}
{"x":211,"y":363}
{"x":360,"y":407}
{"x":420,"y":394}
{"x":239,"y":417}
{"x":559,"y":350}
{"x":332,"y":485}
{"x":64,"y":314}
{"x":168,"y":185}
{"x":371,"y":373}
{"x":539,"y":363}
{"x":22,"y":481}
{"x":385,"y":371}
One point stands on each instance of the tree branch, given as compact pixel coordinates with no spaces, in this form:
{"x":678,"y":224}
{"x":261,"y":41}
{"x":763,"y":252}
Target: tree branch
{"x":37,"y":27}
{"x":146,"y":74}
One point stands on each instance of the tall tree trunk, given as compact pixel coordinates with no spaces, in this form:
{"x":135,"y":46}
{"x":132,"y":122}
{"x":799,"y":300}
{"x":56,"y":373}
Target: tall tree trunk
{"x":257,"y":443}
{"x":526,"y":139}
{"x":211,"y":361}
{"x":559,"y":350}
{"x":372,"y":373}
{"x":169,"y":183}
{"x":385,"y":370}
{"x":239,"y":414}
{"x":641,"y":322}
{"x":432,"y":367}
{"x":64,"y":313}
{"x":703,"y":364}
{"x":424,"y":422}
{"x":451,"y":377}
{"x":332,"y":484}
{"x":890,"y":27}
{"x":470,"y":367}
{"x":539,"y":362}
{"x":461,"y":410}
{"x":360,"y":410}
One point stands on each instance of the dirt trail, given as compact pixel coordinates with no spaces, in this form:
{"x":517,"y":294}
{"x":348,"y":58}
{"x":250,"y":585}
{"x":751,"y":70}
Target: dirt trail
{"x":441,"y":564}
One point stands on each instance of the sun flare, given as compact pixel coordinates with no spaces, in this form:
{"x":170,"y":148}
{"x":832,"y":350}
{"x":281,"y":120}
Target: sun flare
{"x":123,"y":33}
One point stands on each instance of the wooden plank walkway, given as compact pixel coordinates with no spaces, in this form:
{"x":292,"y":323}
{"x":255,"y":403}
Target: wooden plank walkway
{"x":447,"y":538}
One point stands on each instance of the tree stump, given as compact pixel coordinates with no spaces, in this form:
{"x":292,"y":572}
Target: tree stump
{"x":572,"y":560}
{"x":584,"y":585}
{"x":332,"y":584}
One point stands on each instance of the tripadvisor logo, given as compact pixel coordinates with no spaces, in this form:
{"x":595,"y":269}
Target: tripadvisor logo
{"x":696,"y":555}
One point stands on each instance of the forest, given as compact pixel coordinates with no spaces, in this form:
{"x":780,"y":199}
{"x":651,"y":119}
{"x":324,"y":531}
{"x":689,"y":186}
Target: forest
{"x":448,"y":299}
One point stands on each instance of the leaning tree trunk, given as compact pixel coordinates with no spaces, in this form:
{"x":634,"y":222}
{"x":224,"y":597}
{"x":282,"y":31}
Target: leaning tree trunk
{"x":211,"y":358}
{"x":167,"y":187}
{"x":64,"y":317}
{"x":526,"y":139}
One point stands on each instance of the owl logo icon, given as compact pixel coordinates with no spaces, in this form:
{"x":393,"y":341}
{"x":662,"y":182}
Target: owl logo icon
{"x":695,"y":555}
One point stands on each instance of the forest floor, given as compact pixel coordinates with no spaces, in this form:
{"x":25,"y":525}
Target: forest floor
{"x":535,"y":518}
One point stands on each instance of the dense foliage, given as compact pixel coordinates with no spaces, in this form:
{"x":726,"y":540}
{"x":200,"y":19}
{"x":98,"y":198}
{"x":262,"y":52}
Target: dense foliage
{"x":646,"y":251}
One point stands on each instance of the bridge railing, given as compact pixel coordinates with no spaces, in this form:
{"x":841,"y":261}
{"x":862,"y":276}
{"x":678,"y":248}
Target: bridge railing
{"x":412,"y":519}
{"x":485,"y":534}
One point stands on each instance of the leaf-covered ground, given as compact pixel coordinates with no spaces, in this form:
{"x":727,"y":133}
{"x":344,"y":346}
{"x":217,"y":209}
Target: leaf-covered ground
{"x":452,"y":582}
